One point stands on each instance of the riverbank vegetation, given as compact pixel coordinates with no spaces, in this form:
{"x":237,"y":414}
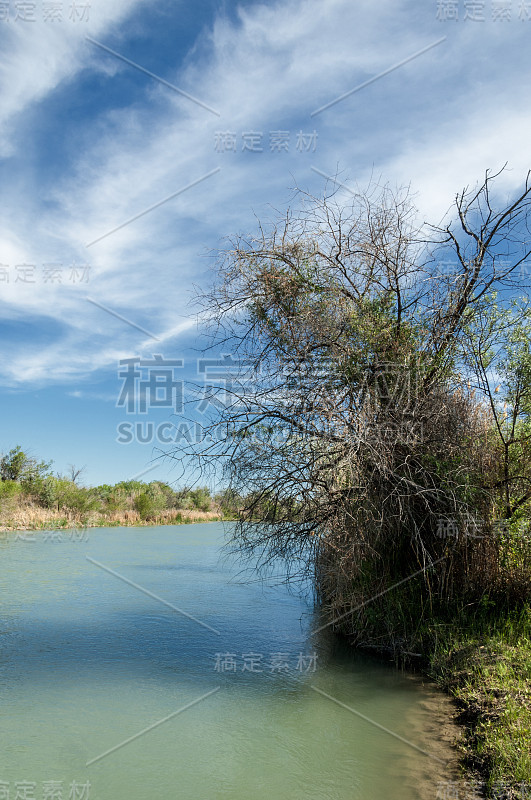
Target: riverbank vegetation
{"x":32,"y":497}
{"x":483,"y":659}
{"x":378,"y":423}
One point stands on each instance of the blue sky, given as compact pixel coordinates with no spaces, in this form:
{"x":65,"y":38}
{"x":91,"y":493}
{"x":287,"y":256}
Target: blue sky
{"x":88,"y":142}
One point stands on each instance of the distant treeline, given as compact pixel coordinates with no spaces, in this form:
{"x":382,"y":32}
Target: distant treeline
{"x":26,"y":480}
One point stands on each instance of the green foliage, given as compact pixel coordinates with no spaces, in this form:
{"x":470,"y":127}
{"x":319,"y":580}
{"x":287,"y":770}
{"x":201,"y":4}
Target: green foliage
{"x":149,"y":503}
{"x":498,"y":355}
{"x":167,"y":497}
{"x":230,"y":502}
{"x":144,"y":504}
{"x":17,"y":466}
{"x":130,"y":487}
{"x":483,"y":657}
{"x":113,"y":498}
{"x":12,"y":464}
{"x":9,"y":489}
{"x":198,"y":498}
{"x":65,"y":495}
{"x":44,"y":490}
{"x":31,"y":483}
{"x":201,"y":498}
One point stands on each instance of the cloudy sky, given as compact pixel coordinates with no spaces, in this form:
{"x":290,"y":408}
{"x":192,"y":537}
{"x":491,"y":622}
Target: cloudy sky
{"x":136,"y":134}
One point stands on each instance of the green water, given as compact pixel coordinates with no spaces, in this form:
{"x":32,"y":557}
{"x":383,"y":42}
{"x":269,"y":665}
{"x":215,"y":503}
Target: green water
{"x":88,"y":661}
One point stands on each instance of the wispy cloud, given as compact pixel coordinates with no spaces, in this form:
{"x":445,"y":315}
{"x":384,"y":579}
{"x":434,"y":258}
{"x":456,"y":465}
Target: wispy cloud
{"x":37,"y":57}
{"x":436,"y":123}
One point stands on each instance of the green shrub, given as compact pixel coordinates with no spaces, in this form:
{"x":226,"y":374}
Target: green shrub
{"x":12,"y":464}
{"x":46,"y":493}
{"x":145,"y":504}
{"x":113,"y":498}
{"x":66,"y":496}
{"x":17,"y":466}
{"x":9,"y":490}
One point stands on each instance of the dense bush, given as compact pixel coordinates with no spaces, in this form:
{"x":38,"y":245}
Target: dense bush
{"x":150,"y":502}
{"x":9,"y":489}
{"x":17,"y":466}
{"x":65,"y":495}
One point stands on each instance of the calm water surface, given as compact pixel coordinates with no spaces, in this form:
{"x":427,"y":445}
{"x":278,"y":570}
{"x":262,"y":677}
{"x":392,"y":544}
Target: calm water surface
{"x":88,"y":662}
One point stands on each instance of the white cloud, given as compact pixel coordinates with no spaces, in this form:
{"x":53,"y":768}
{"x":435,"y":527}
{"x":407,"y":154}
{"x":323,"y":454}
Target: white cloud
{"x":436,"y":123}
{"x":37,"y":56}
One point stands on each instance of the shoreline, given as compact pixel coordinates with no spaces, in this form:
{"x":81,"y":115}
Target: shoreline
{"x":484,"y":668}
{"x":36,"y":520}
{"x":488,"y":676}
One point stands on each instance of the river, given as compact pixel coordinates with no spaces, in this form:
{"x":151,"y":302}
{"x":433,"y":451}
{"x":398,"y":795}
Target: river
{"x":138,"y":663}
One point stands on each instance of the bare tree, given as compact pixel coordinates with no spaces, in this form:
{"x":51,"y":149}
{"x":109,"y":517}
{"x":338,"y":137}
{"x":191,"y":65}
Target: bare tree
{"x":348,"y":424}
{"x":488,"y":245}
{"x":75,"y":472}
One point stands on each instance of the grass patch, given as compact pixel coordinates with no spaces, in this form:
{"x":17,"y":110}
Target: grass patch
{"x":31,"y":517}
{"x":484,"y":661}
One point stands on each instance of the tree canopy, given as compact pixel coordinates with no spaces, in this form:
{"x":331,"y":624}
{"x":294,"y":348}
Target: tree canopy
{"x":361,"y":420}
